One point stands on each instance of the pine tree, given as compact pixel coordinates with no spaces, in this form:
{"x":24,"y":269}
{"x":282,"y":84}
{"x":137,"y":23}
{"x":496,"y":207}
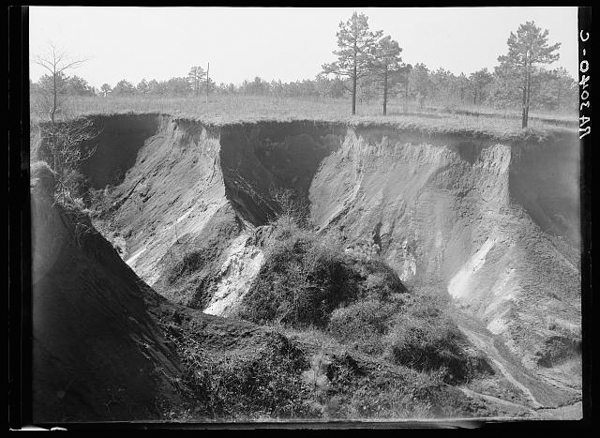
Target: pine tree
{"x":196,"y":77}
{"x":387,"y":66}
{"x":526,"y":49}
{"x":357,"y":45}
{"x":420,"y":83}
{"x":478,"y":82}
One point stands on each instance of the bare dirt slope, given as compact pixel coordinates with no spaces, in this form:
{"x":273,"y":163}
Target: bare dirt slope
{"x":97,"y":353}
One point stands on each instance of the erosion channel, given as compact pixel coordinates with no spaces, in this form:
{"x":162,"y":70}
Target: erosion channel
{"x":487,"y":225}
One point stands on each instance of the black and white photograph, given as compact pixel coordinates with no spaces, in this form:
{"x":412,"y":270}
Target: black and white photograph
{"x":306,"y":215}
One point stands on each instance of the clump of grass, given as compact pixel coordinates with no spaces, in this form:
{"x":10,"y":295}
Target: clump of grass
{"x":403,"y":393}
{"x":190,"y":262}
{"x":355,"y":394}
{"x":557,"y":350}
{"x":427,"y":343}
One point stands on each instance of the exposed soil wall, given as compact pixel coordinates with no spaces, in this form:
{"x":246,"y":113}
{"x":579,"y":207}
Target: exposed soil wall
{"x":173,"y":189}
{"x":259,"y":159}
{"x":118,"y":141}
{"x":192,"y":190}
{"x":544,"y":179}
{"x":448,"y":209}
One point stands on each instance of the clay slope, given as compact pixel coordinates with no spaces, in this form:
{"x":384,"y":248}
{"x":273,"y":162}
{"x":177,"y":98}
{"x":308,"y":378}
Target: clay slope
{"x":97,"y":353}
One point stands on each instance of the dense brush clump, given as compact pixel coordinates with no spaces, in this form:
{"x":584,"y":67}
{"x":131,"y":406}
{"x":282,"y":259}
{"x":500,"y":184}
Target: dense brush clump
{"x":426,"y":339}
{"x":363,"y":324}
{"x":255,"y":381}
{"x":402,"y":393}
{"x":267,"y":384}
{"x":306,"y":278}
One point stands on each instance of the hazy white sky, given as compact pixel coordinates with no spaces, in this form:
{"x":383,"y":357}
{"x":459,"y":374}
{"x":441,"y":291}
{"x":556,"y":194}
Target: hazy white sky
{"x":277,"y":43}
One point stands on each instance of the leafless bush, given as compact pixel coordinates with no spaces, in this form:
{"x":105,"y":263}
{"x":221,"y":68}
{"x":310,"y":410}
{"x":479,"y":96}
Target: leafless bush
{"x":291,"y":205}
{"x":65,"y":153}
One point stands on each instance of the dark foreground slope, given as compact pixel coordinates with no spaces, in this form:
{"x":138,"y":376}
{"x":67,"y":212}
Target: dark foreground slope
{"x":97,"y":353}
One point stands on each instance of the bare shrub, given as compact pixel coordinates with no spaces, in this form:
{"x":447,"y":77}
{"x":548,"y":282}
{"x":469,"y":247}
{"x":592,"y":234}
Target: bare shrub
{"x":291,"y":205}
{"x":64,"y":151}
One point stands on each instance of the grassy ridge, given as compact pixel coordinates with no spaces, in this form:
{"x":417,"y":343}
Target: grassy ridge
{"x":234,"y":109}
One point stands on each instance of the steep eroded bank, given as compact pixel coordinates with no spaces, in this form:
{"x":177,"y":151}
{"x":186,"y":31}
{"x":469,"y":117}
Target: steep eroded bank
{"x":436,"y":214}
{"x":194,"y":191}
{"x":492,"y":221}
{"x":98,"y":354}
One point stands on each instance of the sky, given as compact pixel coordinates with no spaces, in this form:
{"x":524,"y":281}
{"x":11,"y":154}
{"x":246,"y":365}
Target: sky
{"x":277,"y":43}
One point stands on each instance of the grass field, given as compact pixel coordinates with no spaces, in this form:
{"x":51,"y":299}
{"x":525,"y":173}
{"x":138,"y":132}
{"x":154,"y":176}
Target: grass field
{"x":231,"y":109}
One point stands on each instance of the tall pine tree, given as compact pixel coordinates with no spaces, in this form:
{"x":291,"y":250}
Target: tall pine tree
{"x":356,"y":52}
{"x":526,"y":49}
{"x":387,"y":66}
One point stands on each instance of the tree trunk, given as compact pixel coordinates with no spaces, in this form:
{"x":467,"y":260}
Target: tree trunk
{"x":385,"y":91}
{"x":354,"y":92}
{"x":354,"y":78}
{"x":528,"y":98}
{"x":54,"y":91}
{"x":524,"y":106}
